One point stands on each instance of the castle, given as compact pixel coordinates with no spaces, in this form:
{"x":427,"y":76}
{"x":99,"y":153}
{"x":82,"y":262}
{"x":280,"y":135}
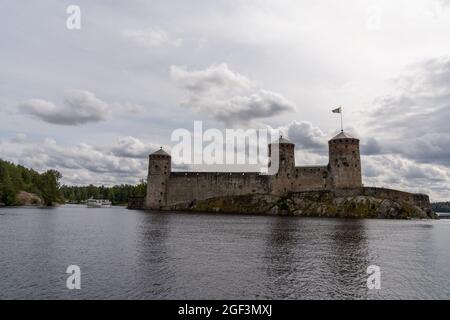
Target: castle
{"x":335,"y":189}
{"x":166,"y":188}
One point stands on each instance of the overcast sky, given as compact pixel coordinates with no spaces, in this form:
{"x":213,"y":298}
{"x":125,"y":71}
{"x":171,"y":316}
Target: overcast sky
{"x":92,"y":103}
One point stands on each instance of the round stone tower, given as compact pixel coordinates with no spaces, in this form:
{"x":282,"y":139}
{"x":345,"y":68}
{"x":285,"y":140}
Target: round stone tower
{"x":286,"y":152}
{"x":159,"y":167}
{"x":345,"y":162}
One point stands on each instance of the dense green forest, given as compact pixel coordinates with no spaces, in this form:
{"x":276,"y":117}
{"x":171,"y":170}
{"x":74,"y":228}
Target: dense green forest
{"x":441,"y":206}
{"x":15,"y":178}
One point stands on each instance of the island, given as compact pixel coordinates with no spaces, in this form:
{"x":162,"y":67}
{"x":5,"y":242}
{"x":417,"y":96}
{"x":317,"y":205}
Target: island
{"x":332,"y":190}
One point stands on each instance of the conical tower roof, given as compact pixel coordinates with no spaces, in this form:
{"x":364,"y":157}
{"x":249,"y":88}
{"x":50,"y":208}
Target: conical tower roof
{"x":282,"y":140}
{"x":343,"y":135}
{"x":160,"y":152}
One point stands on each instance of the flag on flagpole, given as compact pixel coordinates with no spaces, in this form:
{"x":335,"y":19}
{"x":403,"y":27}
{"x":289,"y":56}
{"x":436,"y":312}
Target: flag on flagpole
{"x":337,"y":110}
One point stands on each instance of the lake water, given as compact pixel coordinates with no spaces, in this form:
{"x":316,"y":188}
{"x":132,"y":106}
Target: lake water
{"x":127,"y":254}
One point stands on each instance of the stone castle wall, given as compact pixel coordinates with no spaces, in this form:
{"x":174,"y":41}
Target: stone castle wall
{"x":311,"y":178}
{"x":191,"y":186}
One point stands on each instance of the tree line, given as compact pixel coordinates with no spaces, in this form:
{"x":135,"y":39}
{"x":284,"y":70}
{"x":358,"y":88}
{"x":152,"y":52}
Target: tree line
{"x":441,"y":206}
{"x":15,"y":178}
{"x":118,"y":195}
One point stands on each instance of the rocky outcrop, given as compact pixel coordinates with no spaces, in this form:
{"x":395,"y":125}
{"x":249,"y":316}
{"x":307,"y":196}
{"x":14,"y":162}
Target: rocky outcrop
{"x":350,"y":204}
{"x":29,"y":199}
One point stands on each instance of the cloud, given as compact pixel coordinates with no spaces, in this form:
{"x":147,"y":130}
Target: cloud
{"x":413,"y":121}
{"x":83,"y":163}
{"x":19,"y":138}
{"x":79,"y":107}
{"x":305,"y":135}
{"x":408,"y":144}
{"x":130,"y":147}
{"x":310,"y":158}
{"x":227,"y":96}
{"x":133,"y":108}
{"x":371,"y":146}
{"x":86,"y":156}
{"x":128,"y":108}
{"x":395,"y":171}
{"x":151,"y":37}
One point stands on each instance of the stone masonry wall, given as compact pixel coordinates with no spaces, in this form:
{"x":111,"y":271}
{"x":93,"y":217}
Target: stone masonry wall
{"x":192,"y":186}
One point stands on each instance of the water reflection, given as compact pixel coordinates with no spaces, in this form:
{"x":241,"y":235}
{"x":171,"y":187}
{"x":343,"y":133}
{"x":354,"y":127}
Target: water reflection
{"x":317,"y":258}
{"x":152,"y":265}
{"x":282,"y":252}
{"x":281,"y":242}
{"x":348,"y":260}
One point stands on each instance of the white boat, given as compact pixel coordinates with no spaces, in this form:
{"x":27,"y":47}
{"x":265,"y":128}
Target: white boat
{"x":98,"y":203}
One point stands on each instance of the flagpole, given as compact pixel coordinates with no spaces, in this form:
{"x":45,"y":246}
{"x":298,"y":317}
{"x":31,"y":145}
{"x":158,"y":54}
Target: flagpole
{"x":339,"y":110}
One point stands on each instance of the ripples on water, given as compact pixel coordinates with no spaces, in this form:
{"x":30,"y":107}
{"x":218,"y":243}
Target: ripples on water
{"x":142,"y":255}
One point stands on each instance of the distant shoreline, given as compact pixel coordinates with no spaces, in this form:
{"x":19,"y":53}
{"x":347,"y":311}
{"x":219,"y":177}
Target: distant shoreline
{"x":443,"y":215}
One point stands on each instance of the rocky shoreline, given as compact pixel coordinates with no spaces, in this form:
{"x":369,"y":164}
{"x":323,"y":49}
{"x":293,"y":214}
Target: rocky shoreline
{"x":352,"y":203}
{"x":313,"y":206}
{"x":28,"y":199}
